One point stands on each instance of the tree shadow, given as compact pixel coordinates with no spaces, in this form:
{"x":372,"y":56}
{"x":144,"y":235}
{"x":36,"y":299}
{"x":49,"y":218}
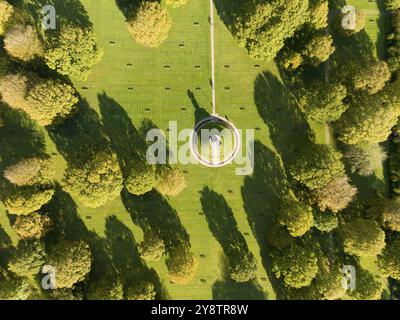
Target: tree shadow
{"x":231,"y":290}
{"x":80,"y":137}
{"x":229,"y":10}
{"x":68,"y":12}
{"x":154,"y":215}
{"x":125,"y":139}
{"x":199,"y":113}
{"x":262,"y":194}
{"x":383,"y":28}
{"x":289,"y":130}
{"x":5,"y":246}
{"x":127,"y":6}
{"x":126,"y":257}
{"x":223,"y":225}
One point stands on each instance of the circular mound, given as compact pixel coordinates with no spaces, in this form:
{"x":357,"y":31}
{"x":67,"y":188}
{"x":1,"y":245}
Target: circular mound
{"x":215,"y":142}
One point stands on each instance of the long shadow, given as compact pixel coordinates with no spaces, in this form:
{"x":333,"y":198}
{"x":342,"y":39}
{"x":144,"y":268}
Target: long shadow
{"x":262,"y":194}
{"x":80,"y":137}
{"x":68,"y":12}
{"x":223,"y":226}
{"x":5,"y":246}
{"x":231,"y":290}
{"x":199,"y":112}
{"x":126,"y":257}
{"x":289,"y":130}
{"x":155,"y":215}
{"x":229,"y":10}
{"x":383,"y":27}
{"x":125,"y":139}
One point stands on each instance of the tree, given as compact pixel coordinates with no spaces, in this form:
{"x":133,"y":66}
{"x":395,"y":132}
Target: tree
{"x":72,"y":262}
{"x":96,"y":181}
{"x":262,"y":27}
{"x":329,"y":280}
{"x":45,"y":100}
{"x":176,"y":3}
{"x":25,"y":200}
{"x":367,"y":287}
{"x":171,"y":182}
{"x":292,"y":59}
{"x":297,"y":265}
{"x":28,"y":258}
{"x":279,"y":237}
{"x":6,"y":12}
{"x":366,"y":158}
{"x":392,"y":4}
{"x":141,"y":291}
{"x":23,"y":42}
{"x":317,"y":166}
{"x":50,"y":101}
{"x":141,"y":179}
{"x":73,"y":51}
{"x":31,"y":171}
{"x":362,"y":237}
{"x":152,"y":248}
{"x":31,"y":226}
{"x":182,"y":265}
{"x":389,"y":260}
{"x":243,"y":267}
{"x":14,"y":288}
{"x":149,"y":24}
{"x":323,"y":102}
{"x":318,"y":49}
{"x":296,"y":216}
{"x":106,"y":287}
{"x":336,"y":195}
{"x":372,"y":78}
{"x":319,"y":10}
{"x":369,"y":119}
{"x":391,"y":215}
{"x":325,"y":221}
{"x":13,"y":89}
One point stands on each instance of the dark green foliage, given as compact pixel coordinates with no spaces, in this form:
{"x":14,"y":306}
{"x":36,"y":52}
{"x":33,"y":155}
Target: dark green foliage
{"x":389,"y":260}
{"x":28,"y":258}
{"x":325,"y":221}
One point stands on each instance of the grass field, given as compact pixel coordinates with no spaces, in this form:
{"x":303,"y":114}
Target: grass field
{"x":171,"y":83}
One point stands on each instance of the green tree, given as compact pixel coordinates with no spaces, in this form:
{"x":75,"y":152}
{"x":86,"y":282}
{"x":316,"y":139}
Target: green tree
{"x":369,"y":119}
{"x":391,"y":215}
{"x":27,"y":259}
{"x":149,"y":24}
{"x":389,"y":260}
{"x":336,"y":195}
{"x":316,"y":166}
{"x":292,"y":59}
{"x":262,"y":27}
{"x":23,"y":42}
{"x":243,"y":267}
{"x":367,"y":287}
{"x":318,"y":49}
{"x":329,"y":280}
{"x":141,"y":291}
{"x":362,"y":237}
{"x":182,"y":266}
{"x":296,"y":216}
{"x":96,"y":181}
{"x":372,"y":78}
{"x":25,"y":200}
{"x":31,"y":171}
{"x":141,"y":179}
{"x":365,"y":159}
{"x":13,"y":89}
{"x":279,"y":237}
{"x":325,"y":221}
{"x":6,"y":12}
{"x":297,"y":265}
{"x":31,"y":226}
{"x":107,"y":287}
{"x":171,"y":182}
{"x":72,"y":262}
{"x":319,"y":10}
{"x":13,"y":288}
{"x":73,"y":51}
{"x":50,"y":101}
{"x":323,"y":102}
{"x":152,"y":248}
{"x":392,"y":4}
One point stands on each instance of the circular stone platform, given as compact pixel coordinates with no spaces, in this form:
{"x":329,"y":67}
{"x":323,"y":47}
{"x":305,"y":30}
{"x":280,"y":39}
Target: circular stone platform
{"x":215,"y":142}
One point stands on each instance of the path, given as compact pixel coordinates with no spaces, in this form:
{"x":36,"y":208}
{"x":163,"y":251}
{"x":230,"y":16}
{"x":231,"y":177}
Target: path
{"x":212,"y":57}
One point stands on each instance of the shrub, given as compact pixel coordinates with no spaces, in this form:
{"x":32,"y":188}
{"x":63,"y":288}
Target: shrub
{"x":182,"y":266}
{"x":152,"y":248}
{"x":141,"y":180}
{"x":171,"y":182}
